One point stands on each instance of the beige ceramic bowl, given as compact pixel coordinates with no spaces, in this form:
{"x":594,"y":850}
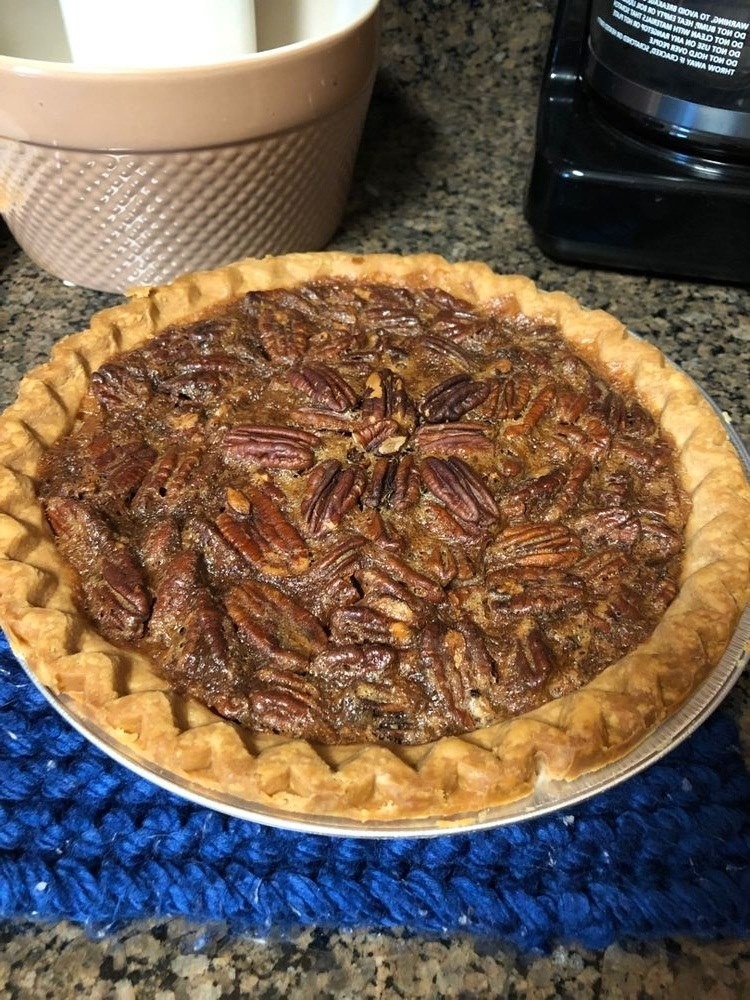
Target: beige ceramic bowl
{"x":112,"y":179}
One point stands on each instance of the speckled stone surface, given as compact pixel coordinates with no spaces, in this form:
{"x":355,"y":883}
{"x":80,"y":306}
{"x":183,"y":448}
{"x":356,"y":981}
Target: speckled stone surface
{"x":443,"y":167}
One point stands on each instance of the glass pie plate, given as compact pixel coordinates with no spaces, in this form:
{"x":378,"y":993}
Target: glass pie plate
{"x":547,"y":797}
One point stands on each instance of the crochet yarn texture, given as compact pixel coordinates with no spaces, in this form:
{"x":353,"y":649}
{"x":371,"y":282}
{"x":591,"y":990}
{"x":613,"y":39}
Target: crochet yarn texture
{"x":666,"y":853}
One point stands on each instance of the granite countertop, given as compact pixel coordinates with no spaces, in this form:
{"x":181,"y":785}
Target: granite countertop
{"x":443,"y":167}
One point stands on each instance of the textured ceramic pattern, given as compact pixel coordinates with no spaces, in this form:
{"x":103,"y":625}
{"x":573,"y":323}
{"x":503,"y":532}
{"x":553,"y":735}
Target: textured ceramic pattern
{"x":112,"y":221}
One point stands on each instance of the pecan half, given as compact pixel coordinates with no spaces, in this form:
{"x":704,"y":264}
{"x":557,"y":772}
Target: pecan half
{"x":123,"y":467}
{"x":116,"y":386}
{"x":198,"y":376}
{"x":220,"y":557}
{"x":537,"y":492}
{"x":124,"y":577}
{"x":610,"y":526}
{"x":282,"y":340}
{"x":394,"y":482}
{"x":442,"y":523}
{"x":117,"y":595}
{"x":458,"y":671}
{"x":541,"y":545}
{"x":386,"y":398}
{"x":271,"y":447}
{"x":175,"y":595}
{"x":570,"y":493}
{"x":331,"y":493}
{"x":324,"y":386}
{"x":609,"y":406}
{"x":441,"y":563}
{"x":345,"y":665}
{"x":218,"y":362}
{"x":400,"y":570}
{"x":329,"y":582}
{"x":282,"y":702}
{"x":643,"y":455}
{"x":522,"y":590}
{"x":380,"y":487}
{"x":570,"y":405}
{"x":445,"y":348}
{"x":454,"y":483}
{"x":241,"y":537}
{"x":590,"y":436}
{"x":452,"y":398}
{"x":274,"y":622}
{"x":371,"y":694}
{"x":540,"y":405}
{"x":442,"y":439}
{"x":514,"y":397}
{"x":362,"y":623}
{"x":532,"y":661}
{"x":191,"y":629}
{"x":167,"y":480}
{"x":160,"y":544}
{"x":120,"y":601}
{"x":394,"y":315}
{"x":603,"y":570}
{"x":76,"y":523}
{"x":385,"y":437}
{"x":406,"y":484}
{"x":659,"y":540}
{"x":257,"y":527}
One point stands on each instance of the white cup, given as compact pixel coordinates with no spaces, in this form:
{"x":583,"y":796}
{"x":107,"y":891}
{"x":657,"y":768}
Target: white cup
{"x":158,"y":33}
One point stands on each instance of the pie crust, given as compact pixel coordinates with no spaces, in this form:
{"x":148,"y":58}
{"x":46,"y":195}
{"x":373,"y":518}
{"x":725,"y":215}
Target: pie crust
{"x":452,"y":779}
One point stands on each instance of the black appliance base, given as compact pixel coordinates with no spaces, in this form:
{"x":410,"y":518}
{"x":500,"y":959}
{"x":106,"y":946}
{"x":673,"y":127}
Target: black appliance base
{"x":601,"y":193}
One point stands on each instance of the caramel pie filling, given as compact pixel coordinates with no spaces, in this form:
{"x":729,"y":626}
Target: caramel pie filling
{"x":355,"y":512}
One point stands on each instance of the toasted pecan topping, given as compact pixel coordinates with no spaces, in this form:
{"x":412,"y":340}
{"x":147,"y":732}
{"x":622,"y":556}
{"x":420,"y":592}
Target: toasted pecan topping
{"x":363,"y":512}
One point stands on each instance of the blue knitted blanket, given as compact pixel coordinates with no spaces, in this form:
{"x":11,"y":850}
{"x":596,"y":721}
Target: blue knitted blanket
{"x":666,"y":853}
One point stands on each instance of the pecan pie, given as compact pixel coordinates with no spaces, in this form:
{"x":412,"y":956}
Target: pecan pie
{"x":374,"y":537}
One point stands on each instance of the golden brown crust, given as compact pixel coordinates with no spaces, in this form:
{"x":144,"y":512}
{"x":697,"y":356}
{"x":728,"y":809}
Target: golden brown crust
{"x":117,"y":691}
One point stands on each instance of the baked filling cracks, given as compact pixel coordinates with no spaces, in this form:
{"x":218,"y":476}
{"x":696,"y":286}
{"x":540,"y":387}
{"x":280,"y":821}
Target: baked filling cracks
{"x":358,"y":512}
